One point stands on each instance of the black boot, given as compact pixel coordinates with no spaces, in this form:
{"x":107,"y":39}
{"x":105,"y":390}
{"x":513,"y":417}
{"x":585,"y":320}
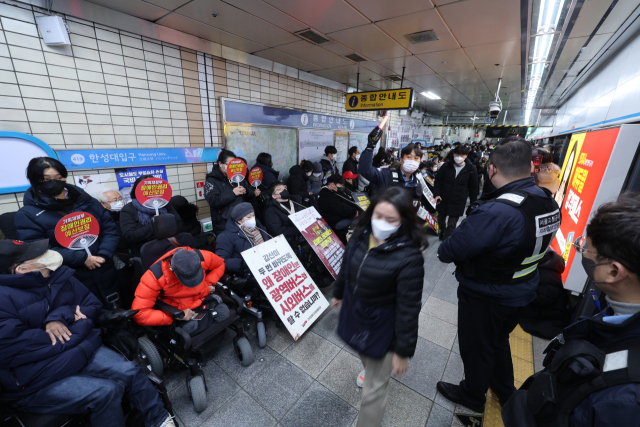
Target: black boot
{"x":451,"y":392}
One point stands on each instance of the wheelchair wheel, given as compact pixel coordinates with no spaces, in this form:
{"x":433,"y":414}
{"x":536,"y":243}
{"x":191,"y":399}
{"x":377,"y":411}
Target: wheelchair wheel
{"x":262,"y":334}
{"x":244,"y":351}
{"x":198,"y":393}
{"x":153,"y":357}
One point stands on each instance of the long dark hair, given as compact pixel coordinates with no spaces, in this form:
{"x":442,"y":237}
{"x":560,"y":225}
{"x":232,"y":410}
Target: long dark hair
{"x":265,"y":159}
{"x":411,"y":227}
{"x":37,"y":166}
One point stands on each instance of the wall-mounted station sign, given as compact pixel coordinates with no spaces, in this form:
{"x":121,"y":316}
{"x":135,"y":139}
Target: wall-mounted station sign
{"x":395,"y":99}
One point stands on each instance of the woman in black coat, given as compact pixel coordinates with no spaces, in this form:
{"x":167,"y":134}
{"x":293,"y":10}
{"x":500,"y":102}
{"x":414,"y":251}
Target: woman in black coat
{"x":264,"y":162}
{"x":280,"y":204}
{"x":455,"y":181}
{"x":135,"y":221}
{"x":382,"y":273}
{"x":298,"y":177}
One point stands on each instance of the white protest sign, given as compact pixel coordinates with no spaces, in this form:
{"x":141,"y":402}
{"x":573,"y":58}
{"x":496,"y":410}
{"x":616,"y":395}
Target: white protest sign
{"x":287,"y":285}
{"x":425,"y":190}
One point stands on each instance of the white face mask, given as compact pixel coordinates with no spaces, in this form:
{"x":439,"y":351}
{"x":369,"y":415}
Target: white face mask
{"x":117,"y":206}
{"x":381,"y":229}
{"x":317,"y":174}
{"x":435,"y":168}
{"x":250,"y":223}
{"x":309,"y":173}
{"x":458,"y":160}
{"x":410,"y":166}
{"x":51,"y":260}
{"x":357,"y":156}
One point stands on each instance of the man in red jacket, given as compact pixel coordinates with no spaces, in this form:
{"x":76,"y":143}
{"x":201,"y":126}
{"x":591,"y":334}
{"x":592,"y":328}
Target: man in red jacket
{"x":179,"y":279}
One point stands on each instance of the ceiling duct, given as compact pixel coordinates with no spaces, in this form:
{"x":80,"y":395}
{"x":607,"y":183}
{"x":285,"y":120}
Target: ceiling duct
{"x":355,"y":57}
{"x":394,"y":78}
{"x":422,"y":37}
{"x":312,"y":36}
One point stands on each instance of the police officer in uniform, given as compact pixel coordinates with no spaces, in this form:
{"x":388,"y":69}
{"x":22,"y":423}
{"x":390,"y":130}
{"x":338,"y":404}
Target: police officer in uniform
{"x":496,"y":251}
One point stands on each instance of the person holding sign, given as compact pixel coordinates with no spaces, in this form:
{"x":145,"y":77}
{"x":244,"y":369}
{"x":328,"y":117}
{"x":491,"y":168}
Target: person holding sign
{"x":381,"y":279}
{"x":48,"y":200}
{"x":223,"y":192}
{"x":298,"y":177}
{"x":280,"y":204}
{"x":335,"y":206}
{"x":264,"y":162}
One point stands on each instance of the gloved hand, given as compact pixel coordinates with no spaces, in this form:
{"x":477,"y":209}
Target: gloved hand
{"x":374,"y":137}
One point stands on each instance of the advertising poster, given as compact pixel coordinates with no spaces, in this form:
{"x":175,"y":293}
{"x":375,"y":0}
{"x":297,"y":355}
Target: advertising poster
{"x":127,"y":176}
{"x":93,"y":184}
{"x":321,"y":237}
{"x":312,"y":143}
{"x":287,"y":284}
{"x":592,"y":158}
{"x":567,"y":166}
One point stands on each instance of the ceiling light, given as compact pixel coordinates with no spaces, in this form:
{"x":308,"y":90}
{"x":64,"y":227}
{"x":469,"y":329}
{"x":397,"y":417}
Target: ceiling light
{"x":430,"y":95}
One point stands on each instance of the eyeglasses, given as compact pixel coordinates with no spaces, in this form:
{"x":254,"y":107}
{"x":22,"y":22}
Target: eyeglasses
{"x":580,"y":244}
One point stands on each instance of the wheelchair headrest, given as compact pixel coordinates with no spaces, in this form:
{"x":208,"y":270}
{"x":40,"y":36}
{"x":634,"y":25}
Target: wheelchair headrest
{"x":164,"y":226}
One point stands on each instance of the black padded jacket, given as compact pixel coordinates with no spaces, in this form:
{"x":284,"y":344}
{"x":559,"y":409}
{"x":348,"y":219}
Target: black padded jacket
{"x":388,"y":277}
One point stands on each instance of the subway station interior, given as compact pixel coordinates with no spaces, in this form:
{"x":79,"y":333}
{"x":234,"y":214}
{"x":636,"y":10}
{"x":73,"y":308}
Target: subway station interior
{"x":128,"y":96}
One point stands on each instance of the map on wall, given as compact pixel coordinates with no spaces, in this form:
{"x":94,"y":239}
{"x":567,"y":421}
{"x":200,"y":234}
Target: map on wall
{"x":359,"y":139}
{"x":249,"y":141}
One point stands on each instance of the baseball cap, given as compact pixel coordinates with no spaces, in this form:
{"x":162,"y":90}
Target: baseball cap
{"x":349,"y":175}
{"x":187,"y":268}
{"x":17,"y":251}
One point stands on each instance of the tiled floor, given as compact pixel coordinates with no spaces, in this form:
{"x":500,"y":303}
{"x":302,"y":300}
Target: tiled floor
{"x":312,"y":382}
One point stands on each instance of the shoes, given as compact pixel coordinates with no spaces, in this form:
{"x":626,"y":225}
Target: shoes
{"x":441,"y":236}
{"x":451,"y":392}
{"x":360,"y":379}
{"x":168,"y":422}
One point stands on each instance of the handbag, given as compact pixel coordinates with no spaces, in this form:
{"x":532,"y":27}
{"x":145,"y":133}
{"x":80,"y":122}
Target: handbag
{"x":367,"y":330}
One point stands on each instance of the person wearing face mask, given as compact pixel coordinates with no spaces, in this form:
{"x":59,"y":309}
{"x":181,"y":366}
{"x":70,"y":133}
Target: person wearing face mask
{"x":315,"y":180}
{"x":351,"y":164}
{"x":299,"y":176}
{"x":52,"y":360}
{"x":496,"y":251}
{"x":328,"y":161}
{"x":264,"y":162}
{"x":46,"y":202}
{"x":243,"y":232}
{"x":350,"y":181}
{"x":608,"y":395}
{"x":381,"y":279}
{"x":280,"y":204}
{"x":336,"y":206}
{"x":456,"y":181}
{"x":222,"y":195}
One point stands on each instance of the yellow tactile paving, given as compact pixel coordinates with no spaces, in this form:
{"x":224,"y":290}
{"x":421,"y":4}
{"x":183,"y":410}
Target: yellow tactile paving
{"x":522,"y":357}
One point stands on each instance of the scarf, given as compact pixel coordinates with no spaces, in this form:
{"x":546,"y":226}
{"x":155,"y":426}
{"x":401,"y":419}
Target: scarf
{"x":254,"y":235}
{"x":292,"y":211}
{"x":145,"y":214}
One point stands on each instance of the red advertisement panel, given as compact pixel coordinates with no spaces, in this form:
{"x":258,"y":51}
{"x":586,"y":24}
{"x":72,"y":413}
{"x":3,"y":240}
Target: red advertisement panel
{"x":581,"y":190}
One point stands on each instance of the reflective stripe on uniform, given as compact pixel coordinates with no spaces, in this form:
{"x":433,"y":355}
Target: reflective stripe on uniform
{"x":525,"y":271}
{"x":533,"y":259}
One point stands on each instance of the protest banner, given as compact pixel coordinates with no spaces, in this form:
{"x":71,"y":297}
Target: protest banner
{"x":127,"y":176}
{"x":361,"y":200}
{"x":153,"y":193}
{"x":77,"y":231}
{"x":426,"y":192}
{"x":286,"y":284}
{"x":236,"y":170}
{"x":321,"y":237}
{"x":255,"y":177}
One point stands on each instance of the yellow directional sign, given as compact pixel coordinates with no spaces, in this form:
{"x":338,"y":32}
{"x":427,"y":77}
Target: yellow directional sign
{"x":395,"y":99}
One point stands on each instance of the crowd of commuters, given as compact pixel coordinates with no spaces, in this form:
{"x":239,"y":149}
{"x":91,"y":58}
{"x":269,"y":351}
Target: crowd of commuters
{"x":52,"y":356}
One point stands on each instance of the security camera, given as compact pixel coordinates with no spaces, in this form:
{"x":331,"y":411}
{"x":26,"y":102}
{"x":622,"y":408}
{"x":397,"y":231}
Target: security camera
{"x":494,"y":109}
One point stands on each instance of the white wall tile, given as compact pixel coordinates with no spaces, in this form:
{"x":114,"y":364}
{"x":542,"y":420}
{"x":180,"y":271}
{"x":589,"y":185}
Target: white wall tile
{"x":64,"y":84}
{"x":43,"y":116}
{"x":17,"y":115}
{"x":114,"y":69}
{"x":15,"y":126}
{"x":11,"y":102}
{"x":121,"y":111}
{"x":77,"y":28}
{"x":88,"y":65}
{"x":94,"y":98}
{"x":22,"y":40}
{"x":131,"y":41}
{"x":140,"y":103}
{"x":117,"y":90}
{"x":53,"y":127}
{"x":109,"y":36}
{"x":54,"y":140}
{"x":72,"y":117}
{"x":121,"y":120}
{"x":9,"y":89}
{"x":60,"y":60}
{"x":97,"y":109}
{"x":142,"y":112}
{"x":21,"y":27}
{"x":134,"y":63}
{"x":90,"y":76}
{"x":16,"y":13}
{"x":40,"y":104}
{"x":82,"y":41}
{"x":99,"y":119}
{"x":33,"y":80}
{"x":67,"y":95}
{"x":74,"y":128}
{"x":111,"y":58}
{"x":139,"y":93}
{"x":136,"y":73}
{"x":100,"y":129}
{"x":92,"y":87}
{"x":62,"y":72}
{"x":26,"y":54}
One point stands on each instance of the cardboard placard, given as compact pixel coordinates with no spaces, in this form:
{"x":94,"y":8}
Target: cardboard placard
{"x":255,"y":177}
{"x":321,"y":237}
{"x":287,"y":285}
{"x":361,"y":200}
{"x":154,"y":193}
{"x":77,"y":231}
{"x":236,"y":170}
{"x":425,"y":190}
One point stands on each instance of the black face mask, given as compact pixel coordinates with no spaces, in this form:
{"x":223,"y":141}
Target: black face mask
{"x":52,"y":188}
{"x":340,"y":189}
{"x":589,"y":266}
{"x":284,"y":195}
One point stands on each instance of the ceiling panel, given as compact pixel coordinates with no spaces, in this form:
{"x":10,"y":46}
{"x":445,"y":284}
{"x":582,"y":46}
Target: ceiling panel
{"x":383,"y":84}
{"x":414,"y":67}
{"x":487,"y":55}
{"x":270,"y":14}
{"x":326,"y":16}
{"x":352,"y":71}
{"x":167,"y":4}
{"x":431,"y":81}
{"x":447,"y":61}
{"x":314,"y":54}
{"x":465,"y":77}
{"x":618,"y":15}
{"x":370,"y":41}
{"x":235,"y":21}
{"x":285,"y":59}
{"x":331,"y":75}
{"x":594,"y":46}
{"x":511,"y":76}
{"x":477,"y":22}
{"x":377,"y":10}
{"x":196,"y":28}
{"x":137,"y":8}
{"x":590,"y":14}
{"x":421,"y":21}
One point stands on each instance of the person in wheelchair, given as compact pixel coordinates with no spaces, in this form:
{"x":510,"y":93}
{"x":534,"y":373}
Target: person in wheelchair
{"x":52,"y":360}
{"x":280,"y":204}
{"x":336,"y":207}
{"x":179,"y":280}
{"x":243,"y":232}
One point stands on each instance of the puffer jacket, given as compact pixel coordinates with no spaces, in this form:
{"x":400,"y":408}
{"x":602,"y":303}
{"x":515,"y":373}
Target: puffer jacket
{"x":230,"y":245}
{"x":277,"y":219}
{"x":335,"y":207}
{"x":28,"y":360}
{"x":168,"y":289}
{"x":269,"y":175}
{"x":134,"y":233}
{"x":328,"y":166}
{"x":455,"y":190}
{"x":297,"y":182}
{"x":389,"y":276}
{"x":218,"y":192}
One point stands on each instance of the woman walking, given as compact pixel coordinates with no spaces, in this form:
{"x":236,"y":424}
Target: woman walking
{"x":380,"y":289}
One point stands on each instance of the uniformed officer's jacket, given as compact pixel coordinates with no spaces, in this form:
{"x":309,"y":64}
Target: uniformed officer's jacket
{"x":497,"y":228}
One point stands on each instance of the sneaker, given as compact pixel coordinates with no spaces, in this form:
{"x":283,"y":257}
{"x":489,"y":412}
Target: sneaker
{"x":360,"y":379}
{"x":168,"y":422}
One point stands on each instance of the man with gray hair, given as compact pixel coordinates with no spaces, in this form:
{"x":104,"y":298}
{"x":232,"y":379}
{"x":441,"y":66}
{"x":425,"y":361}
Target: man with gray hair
{"x":111,"y":200}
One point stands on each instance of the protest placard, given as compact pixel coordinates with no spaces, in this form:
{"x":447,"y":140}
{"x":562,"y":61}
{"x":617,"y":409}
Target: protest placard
{"x":236,"y":170}
{"x":153,"y":193}
{"x":127,"y":176}
{"x":321,"y":237}
{"x":77,"y":231}
{"x":287,"y":284}
{"x":255,"y":177}
{"x":361,"y":200}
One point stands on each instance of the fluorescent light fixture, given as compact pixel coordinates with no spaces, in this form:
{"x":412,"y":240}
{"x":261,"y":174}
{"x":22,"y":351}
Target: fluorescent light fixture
{"x":430,"y":95}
